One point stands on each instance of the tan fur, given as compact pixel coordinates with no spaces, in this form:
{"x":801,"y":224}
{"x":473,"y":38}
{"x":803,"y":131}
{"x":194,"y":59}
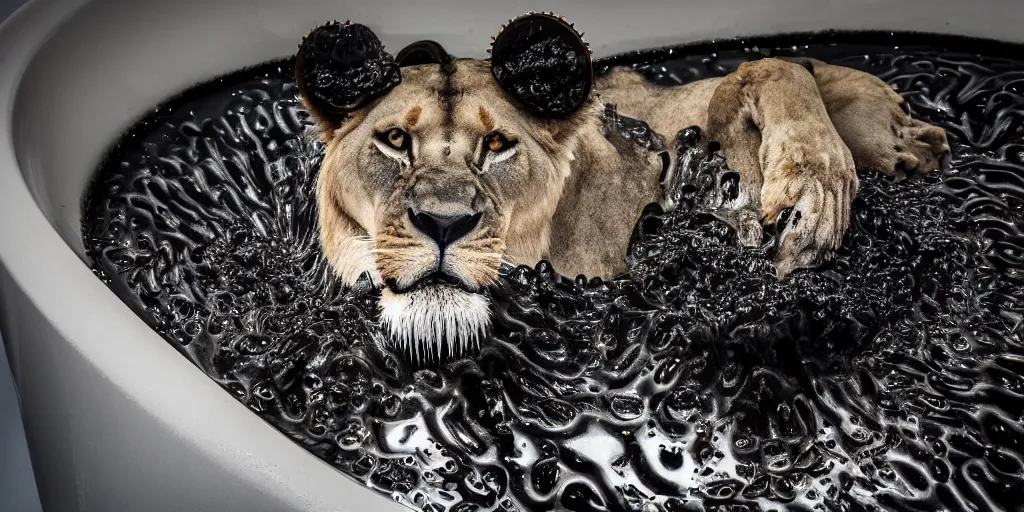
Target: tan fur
{"x":572,"y":192}
{"x":609,"y":186}
{"x":868,"y":115}
{"x":347,"y":247}
{"x":795,"y":136}
{"x":801,"y":157}
{"x":363,"y":205}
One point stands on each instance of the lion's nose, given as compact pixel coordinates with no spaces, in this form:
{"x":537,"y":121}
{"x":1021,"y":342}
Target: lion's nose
{"x":444,"y":229}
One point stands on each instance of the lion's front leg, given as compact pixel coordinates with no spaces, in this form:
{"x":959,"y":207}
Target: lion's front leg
{"x":776,"y":132}
{"x":875,"y":123}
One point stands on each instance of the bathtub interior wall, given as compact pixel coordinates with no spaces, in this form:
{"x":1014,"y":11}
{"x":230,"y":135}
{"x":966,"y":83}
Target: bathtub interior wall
{"x":112,"y":61}
{"x":116,"y":419}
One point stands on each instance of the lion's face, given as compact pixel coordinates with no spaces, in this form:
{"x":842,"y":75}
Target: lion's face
{"x":433,"y":179}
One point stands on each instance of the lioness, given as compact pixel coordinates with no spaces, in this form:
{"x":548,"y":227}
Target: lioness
{"x":439,"y":169}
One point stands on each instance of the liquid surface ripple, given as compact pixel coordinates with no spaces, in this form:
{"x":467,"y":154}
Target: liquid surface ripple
{"x":890,"y":379}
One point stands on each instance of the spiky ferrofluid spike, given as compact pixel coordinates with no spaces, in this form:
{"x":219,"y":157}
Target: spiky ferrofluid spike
{"x":590,"y":52}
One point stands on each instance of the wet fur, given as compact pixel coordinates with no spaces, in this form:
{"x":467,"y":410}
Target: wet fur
{"x":795,"y":131}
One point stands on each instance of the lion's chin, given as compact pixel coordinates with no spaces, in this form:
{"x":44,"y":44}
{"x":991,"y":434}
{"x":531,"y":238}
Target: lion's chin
{"x":435,"y":322}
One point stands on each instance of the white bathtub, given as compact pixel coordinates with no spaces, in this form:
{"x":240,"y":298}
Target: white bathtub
{"x":116,"y":419}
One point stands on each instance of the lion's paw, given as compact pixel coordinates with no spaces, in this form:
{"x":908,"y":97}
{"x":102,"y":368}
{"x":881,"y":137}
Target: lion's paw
{"x":817,"y":184}
{"x":919,"y":148}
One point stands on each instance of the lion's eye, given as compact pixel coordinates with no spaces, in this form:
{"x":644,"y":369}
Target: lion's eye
{"x":496,"y":142}
{"x":395,"y":137}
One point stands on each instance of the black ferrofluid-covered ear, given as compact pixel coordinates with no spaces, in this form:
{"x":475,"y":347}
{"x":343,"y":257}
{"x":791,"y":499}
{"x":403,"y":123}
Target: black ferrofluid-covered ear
{"x":341,"y":67}
{"x":423,"y":52}
{"x":542,"y":62}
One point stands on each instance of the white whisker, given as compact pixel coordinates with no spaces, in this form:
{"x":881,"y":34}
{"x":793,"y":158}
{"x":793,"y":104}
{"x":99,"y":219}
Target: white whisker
{"x":420,"y":322}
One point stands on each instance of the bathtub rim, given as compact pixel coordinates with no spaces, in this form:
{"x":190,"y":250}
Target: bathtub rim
{"x":31,"y":242}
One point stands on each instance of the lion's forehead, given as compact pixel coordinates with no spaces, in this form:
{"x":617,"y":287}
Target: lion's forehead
{"x":462,"y":98}
{"x":463,"y":74}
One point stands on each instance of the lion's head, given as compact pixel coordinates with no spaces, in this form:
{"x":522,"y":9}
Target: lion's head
{"x":438,"y":169}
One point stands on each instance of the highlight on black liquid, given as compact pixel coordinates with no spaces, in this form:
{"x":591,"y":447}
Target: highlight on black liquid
{"x":890,"y":379}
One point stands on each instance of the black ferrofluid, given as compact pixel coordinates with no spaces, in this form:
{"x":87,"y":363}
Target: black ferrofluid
{"x":890,"y":379}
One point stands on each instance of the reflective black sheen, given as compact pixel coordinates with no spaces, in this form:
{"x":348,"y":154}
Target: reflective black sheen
{"x":343,"y":66}
{"x":890,"y":379}
{"x":542,"y":62}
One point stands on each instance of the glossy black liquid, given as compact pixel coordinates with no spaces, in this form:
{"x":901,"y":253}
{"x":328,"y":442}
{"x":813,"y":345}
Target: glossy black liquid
{"x":891,"y":379}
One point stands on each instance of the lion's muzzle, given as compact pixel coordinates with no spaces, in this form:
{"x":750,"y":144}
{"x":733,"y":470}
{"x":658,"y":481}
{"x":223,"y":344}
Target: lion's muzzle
{"x":433,"y":306}
{"x":442,"y":210}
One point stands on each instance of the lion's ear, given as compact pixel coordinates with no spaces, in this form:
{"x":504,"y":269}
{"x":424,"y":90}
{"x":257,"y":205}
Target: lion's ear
{"x":340,"y":68}
{"x":543,"y":63}
{"x":423,"y":52}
